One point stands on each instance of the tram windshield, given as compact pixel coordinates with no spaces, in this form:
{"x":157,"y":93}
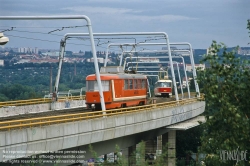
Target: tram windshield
{"x":92,"y":86}
{"x":163,"y":84}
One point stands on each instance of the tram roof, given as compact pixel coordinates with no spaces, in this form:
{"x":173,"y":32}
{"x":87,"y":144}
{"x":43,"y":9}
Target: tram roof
{"x":164,"y":81}
{"x":119,"y":76}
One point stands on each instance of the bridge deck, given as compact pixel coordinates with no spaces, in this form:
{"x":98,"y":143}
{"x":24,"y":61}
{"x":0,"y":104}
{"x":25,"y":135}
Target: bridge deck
{"x":44,"y":107}
{"x":45,"y":134}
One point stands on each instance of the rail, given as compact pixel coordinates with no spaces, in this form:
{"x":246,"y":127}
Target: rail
{"x":38,"y":101}
{"x":41,"y":121}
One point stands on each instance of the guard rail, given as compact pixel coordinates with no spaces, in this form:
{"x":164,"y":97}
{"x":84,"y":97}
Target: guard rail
{"x":41,"y":121}
{"x":38,"y":101}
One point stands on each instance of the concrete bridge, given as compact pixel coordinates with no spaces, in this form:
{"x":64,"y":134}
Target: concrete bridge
{"x":123,"y":127}
{"x":22,"y":107}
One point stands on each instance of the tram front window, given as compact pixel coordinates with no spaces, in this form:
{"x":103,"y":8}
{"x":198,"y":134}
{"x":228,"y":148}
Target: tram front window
{"x":164,"y":84}
{"x":92,"y":86}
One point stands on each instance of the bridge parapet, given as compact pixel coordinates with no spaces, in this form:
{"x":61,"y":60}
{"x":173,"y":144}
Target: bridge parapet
{"x":67,"y":135}
{"x":24,"y":107}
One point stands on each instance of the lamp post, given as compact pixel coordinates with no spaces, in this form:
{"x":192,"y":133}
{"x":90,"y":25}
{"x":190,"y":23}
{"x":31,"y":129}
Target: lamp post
{"x":3,"y":39}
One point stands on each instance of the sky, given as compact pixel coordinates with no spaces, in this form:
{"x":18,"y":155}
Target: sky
{"x":198,"y":22}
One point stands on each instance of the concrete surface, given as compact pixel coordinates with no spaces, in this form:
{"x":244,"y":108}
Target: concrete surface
{"x":99,"y":131}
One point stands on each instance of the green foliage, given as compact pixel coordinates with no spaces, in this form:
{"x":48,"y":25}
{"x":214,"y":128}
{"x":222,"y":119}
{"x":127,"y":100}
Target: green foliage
{"x":16,"y":92}
{"x":28,"y":80}
{"x":137,"y":158}
{"x":3,"y":97}
{"x":248,"y":26}
{"x":121,"y":158}
{"x":188,"y":141}
{"x":161,"y":159}
{"x":93,"y":153}
{"x":226,"y":85}
{"x":140,"y":154}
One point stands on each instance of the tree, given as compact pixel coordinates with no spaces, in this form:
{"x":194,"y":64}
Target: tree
{"x":138,"y":157}
{"x":3,"y":97}
{"x":188,"y":141}
{"x":226,"y":87}
{"x":16,"y":92}
{"x":248,"y":26}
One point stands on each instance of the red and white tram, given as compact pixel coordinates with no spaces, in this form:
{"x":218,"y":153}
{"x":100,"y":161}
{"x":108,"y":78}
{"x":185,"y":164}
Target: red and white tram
{"x":119,"y":90}
{"x":163,"y":88}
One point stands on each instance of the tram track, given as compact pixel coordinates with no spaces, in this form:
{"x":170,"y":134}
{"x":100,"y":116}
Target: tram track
{"x":71,"y":110}
{"x":152,"y":100}
{"x":46,"y":114}
{"x":81,"y":113}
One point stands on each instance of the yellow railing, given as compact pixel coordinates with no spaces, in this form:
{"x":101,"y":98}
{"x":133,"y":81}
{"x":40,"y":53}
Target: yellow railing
{"x":40,"y":121}
{"x":38,"y":101}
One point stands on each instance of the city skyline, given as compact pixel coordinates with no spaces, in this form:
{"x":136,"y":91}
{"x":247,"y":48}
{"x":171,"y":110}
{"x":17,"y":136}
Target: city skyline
{"x":197,"y":22}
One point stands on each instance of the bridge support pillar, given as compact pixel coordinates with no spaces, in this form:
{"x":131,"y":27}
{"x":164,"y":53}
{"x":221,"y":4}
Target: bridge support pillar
{"x":159,"y":145}
{"x":131,"y":155}
{"x":125,"y":154}
{"x":171,"y":147}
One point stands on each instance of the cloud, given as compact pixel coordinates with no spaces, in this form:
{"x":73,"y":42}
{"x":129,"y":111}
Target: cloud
{"x":165,"y":18}
{"x":100,"y":10}
{"x":193,"y":21}
{"x":126,"y":14}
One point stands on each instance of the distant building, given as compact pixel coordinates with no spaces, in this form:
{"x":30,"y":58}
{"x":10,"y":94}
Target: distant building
{"x":100,"y":60}
{"x":1,"y":62}
{"x":23,"y":61}
{"x":189,"y":67}
{"x":7,"y":49}
{"x":244,"y":51}
{"x":22,"y":50}
{"x":148,"y":60}
{"x":28,"y":50}
{"x":184,"y":81}
{"x":36,"y":50}
{"x":175,"y":51}
{"x":78,"y":54}
{"x":171,"y":48}
{"x":52,"y":53}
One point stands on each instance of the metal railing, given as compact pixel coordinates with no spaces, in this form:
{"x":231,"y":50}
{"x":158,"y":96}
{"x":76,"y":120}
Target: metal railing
{"x":69,"y":93}
{"x":41,"y":121}
{"x":38,"y":101}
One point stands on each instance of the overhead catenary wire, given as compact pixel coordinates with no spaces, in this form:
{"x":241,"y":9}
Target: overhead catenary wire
{"x":111,"y":38}
{"x":43,"y":33}
{"x":62,"y":28}
{"x":39,"y":27}
{"x":14,"y":29}
{"x":42,"y":40}
{"x":11,"y":28}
